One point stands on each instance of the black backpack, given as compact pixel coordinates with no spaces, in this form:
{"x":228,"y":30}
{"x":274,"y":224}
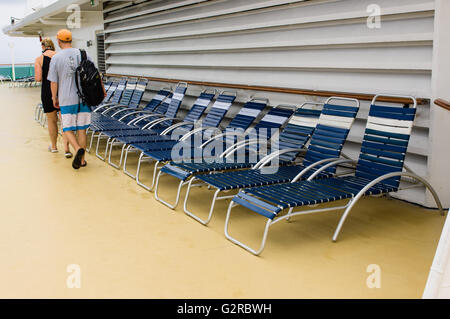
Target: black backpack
{"x":91,"y":92}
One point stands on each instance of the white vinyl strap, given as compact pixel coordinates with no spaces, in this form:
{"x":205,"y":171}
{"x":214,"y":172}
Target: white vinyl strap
{"x":336,"y":121}
{"x":249,"y":112}
{"x":274,"y":118}
{"x":304,"y":121}
{"x":140,"y":87}
{"x":202,"y":102}
{"x":159,"y":97}
{"x":222,"y":105}
{"x":178,"y":96}
{"x":389,"y":125}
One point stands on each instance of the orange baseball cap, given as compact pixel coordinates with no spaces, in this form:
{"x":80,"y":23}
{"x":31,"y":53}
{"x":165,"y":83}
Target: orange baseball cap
{"x":64,"y":35}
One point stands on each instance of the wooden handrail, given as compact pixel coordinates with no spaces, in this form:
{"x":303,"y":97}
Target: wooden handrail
{"x":359,"y":96}
{"x":442,"y":103}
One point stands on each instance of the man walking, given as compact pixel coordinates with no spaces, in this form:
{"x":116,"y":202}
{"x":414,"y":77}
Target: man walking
{"x":75,"y":115}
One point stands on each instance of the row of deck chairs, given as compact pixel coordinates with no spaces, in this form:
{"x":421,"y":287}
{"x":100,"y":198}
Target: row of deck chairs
{"x":292,"y":165}
{"x":28,"y":81}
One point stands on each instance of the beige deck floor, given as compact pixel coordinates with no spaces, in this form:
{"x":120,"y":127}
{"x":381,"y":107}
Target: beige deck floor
{"x":130,"y":246}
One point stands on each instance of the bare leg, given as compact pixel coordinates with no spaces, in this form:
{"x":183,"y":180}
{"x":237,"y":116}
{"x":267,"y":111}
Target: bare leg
{"x":65,"y":143}
{"x":82,"y":141}
{"x":65,"y":140}
{"x":72,"y":139}
{"x":52,"y":128}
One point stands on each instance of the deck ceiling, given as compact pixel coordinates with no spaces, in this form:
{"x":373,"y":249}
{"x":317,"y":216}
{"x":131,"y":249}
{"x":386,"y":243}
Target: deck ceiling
{"x":55,"y":14}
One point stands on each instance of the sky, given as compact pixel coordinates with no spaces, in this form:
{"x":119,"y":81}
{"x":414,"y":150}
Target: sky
{"x":25,"y":49}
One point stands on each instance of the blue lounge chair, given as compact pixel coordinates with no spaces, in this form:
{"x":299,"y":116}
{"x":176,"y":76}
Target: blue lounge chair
{"x":171,"y":111}
{"x":274,"y":119}
{"x":156,"y":106}
{"x":158,"y":126}
{"x":325,"y":145}
{"x":110,"y":90}
{"x":131,"y":98}
{"x":240,"y":123}
{"x":116,"y":93}
{"x":185,"y":128}
{"x":378,"y":171}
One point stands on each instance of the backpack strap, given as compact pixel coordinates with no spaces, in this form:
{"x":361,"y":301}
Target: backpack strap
{"x":77,"y":75}
{"x":83,"y":55}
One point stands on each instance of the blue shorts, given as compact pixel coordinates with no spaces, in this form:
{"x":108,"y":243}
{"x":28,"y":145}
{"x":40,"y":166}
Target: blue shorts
{"x":75,"y":117}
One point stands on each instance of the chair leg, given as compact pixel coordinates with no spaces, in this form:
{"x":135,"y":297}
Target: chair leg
{"x":141,"y":158}
{"x":211,"y":209}
{"x":237,"y":242}
{"x":97,"y":147}
{"x":128,"y":149}
{"x":91,"y":141}
{"x":288,"y":218}
{"x":159,"y":199}
{"x":110,"y":153}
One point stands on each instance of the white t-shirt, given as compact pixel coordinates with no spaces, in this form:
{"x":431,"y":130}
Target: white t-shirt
{"x":62,"y":71}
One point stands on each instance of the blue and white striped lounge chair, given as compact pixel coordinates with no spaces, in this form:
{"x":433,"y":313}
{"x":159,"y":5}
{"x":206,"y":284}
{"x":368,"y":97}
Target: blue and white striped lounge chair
{"x":157,"y":127}
{"x":157,"y":106}
{"x":274,"y":119}
{"x":116,"y":94}
{"x":378,"y":171}
{"x":107,"y":84}
{"x":325,"y":145}
{"x":131,"y":98}
{"x":125,"y":99}
{"x":111,"y":89}
{"x":172,"y":110}
{"x":240,"y":123}
{"x":164,"y":141}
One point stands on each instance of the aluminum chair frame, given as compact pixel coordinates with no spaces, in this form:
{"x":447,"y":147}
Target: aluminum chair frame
{"x":352,"y":200}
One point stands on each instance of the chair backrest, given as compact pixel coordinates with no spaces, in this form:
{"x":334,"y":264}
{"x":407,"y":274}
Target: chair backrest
{"x":128,"y":92}
{"x":107,"y":84}
{"x":274,"y":120}
{"x":138,"y":93}
{"x":298,"y":130}
{"x":112,"y":88}
{"x":155,"y":102}
{"x":269,"y":124}
{"x":218,"y":110}
{"x":196,"y":111}
{"x":176,"y":100}
{"x":385,"y":141}
{"x":331,"y":131}
{"x":118,"y":91}
{"x":199,"y":107}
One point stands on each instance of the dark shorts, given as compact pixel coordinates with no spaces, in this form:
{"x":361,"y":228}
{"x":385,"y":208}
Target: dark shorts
{"x":49,"y":108}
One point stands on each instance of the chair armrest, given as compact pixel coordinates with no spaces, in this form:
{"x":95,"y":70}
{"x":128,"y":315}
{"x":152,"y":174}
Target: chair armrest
{"x":267,"y":159}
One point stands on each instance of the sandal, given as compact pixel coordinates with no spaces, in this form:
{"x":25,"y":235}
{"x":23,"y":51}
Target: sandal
{"x":76,"y":163}
{"x":68,"y":155}
{"x":51,"y":150}
{"x":83,"y":165}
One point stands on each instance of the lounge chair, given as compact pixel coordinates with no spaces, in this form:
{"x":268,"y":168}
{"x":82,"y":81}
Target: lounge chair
{"x":378,"y":171}
{"x":171,"y":111}
{"x":164,"y":141}
{"x":325,"y":145}
{"x":294,"y":136}
{"x":161,"y":152}
{"x":156,"y":106}
{"x":158,"y":126}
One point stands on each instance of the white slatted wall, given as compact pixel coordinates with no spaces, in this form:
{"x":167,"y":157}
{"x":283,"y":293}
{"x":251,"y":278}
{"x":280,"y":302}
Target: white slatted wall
{"x":316,"y":44}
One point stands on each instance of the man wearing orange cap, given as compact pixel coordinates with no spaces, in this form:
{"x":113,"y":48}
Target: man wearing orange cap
{"x":75,"y":115}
